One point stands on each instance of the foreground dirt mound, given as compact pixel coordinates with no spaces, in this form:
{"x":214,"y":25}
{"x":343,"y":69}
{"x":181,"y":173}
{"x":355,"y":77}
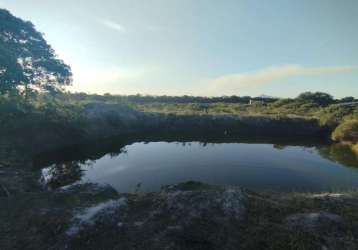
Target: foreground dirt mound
{"x":190,"y":215}
{"x":171,"y":219}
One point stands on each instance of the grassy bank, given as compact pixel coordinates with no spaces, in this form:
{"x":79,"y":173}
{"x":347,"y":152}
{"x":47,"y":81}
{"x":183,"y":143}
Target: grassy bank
{"x":45,"y":123}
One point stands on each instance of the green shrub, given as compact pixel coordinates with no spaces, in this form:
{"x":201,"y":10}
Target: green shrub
{"x":347,"y":132}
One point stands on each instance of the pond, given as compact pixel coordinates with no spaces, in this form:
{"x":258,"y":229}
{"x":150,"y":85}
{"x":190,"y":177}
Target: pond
{"x":147,"y":165}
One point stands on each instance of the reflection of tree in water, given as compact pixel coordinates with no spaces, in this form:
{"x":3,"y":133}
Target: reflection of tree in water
{"x":279,"y":146}
{"x":77,"y":159}
{"x":62,"y":174}
{"x":201,"y":143}
{"x":116,"y":154}
{"x":70,"y":163}
{"x":339,"y":153}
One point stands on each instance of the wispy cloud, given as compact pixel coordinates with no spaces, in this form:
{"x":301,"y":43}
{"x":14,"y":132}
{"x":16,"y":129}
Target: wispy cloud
{"x":113,"y":25}
{"x":271,"y":74}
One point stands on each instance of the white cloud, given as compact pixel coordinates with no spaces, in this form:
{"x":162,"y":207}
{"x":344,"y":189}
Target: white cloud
{"x":271,"y":74}
{"x":102,"y":79}
{"x":113,"y":25}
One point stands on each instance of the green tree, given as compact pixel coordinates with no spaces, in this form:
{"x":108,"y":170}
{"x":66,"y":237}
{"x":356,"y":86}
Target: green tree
{"x":27,"y":62}
{"x":319,"y":98}
{"x":348,"y":99}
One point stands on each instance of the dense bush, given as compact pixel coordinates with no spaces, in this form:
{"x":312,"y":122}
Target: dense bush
{"x":322,"y":99}
{"x":17,"y":112}
{"x":347,"y":132}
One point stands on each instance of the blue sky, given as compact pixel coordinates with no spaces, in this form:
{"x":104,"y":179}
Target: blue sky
{"x":202,"y":47}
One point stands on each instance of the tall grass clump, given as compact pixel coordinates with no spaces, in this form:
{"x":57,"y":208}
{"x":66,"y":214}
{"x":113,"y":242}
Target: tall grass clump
{"x":346,"y":132}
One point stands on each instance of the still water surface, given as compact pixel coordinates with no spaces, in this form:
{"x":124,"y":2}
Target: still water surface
{"x":147,"y":166}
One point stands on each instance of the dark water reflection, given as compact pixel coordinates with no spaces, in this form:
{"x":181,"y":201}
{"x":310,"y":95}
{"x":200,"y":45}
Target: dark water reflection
{"x":151,"y":162}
